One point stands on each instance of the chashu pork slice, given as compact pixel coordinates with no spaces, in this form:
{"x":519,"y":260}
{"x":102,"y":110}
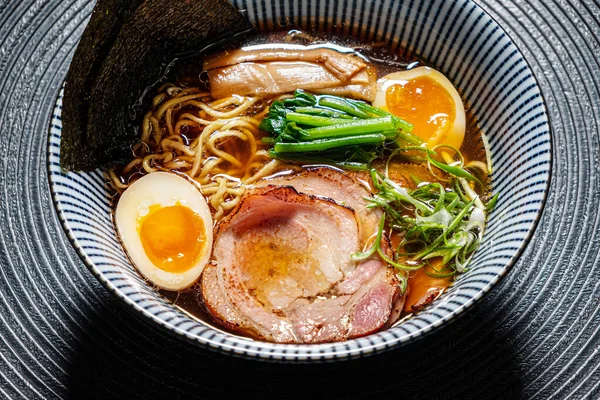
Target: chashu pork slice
{"x":332,"y":183}
{"x":283,"y":270}
{"x":280,"y":77}
{"x":270,"y":71}
{"x":342,"y":65}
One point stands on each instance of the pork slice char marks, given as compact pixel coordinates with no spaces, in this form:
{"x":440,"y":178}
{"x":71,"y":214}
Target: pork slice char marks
{"x":283,"y":270}
{"x":341,"y":187}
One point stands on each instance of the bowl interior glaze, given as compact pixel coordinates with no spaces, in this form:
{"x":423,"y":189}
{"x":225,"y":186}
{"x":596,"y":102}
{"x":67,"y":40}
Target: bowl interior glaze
{"x":456,"y":37}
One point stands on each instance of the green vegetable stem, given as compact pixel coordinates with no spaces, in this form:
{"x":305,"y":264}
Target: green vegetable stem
{"x":308,"y":124}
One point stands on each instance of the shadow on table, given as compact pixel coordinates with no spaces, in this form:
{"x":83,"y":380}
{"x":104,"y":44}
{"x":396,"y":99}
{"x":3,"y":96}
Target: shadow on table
{"x":121,"y":356}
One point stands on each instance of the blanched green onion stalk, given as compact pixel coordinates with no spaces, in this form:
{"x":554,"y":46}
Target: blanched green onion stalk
{"x":326,"y":144}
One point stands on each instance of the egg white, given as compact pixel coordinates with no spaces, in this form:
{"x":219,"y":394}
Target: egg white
{"x":455,"y":135}
{"x":164,"y":189}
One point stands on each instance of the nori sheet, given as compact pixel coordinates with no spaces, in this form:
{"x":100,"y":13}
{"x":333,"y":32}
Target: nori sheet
{"x":126,"y":49}
{"x":105,"y":23}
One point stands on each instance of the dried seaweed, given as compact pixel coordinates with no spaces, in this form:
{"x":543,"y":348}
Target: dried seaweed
{"x":127,"y":48}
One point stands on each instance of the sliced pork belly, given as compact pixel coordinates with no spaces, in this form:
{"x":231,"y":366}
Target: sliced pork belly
{"x":279,"y":77}
{"x":278,"y":70}
{"x":283,"y":270}
{"x":333,"y":184}
{"x":342,"y":65}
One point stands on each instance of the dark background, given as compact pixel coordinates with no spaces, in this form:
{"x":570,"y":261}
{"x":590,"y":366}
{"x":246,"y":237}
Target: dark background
{"x":536,"y":335}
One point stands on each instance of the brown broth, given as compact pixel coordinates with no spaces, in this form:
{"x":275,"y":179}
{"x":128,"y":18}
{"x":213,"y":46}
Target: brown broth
{"x":384,"y":62}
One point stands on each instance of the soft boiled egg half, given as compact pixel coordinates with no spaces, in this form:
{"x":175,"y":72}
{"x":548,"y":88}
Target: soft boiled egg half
{"x":428,"y":100}
{"x":165,"y":226}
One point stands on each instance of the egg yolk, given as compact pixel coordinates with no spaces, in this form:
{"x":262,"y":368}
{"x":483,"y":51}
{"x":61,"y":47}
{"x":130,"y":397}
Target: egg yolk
{"x":424,"y":103}
{"x":173,"y":237}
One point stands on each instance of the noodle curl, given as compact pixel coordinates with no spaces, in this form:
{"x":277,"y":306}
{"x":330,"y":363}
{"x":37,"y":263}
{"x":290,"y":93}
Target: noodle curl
{"x":216,"y":143}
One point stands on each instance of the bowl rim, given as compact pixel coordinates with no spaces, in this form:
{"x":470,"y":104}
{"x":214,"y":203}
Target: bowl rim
{"x":302,"y":354}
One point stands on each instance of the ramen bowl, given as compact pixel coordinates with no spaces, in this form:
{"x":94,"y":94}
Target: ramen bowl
{"x":464,"y":43}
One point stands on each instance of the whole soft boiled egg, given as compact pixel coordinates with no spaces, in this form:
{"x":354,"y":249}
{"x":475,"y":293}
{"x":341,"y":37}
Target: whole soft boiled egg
{"x":165,"y":226}
{"x":428,"y":100}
